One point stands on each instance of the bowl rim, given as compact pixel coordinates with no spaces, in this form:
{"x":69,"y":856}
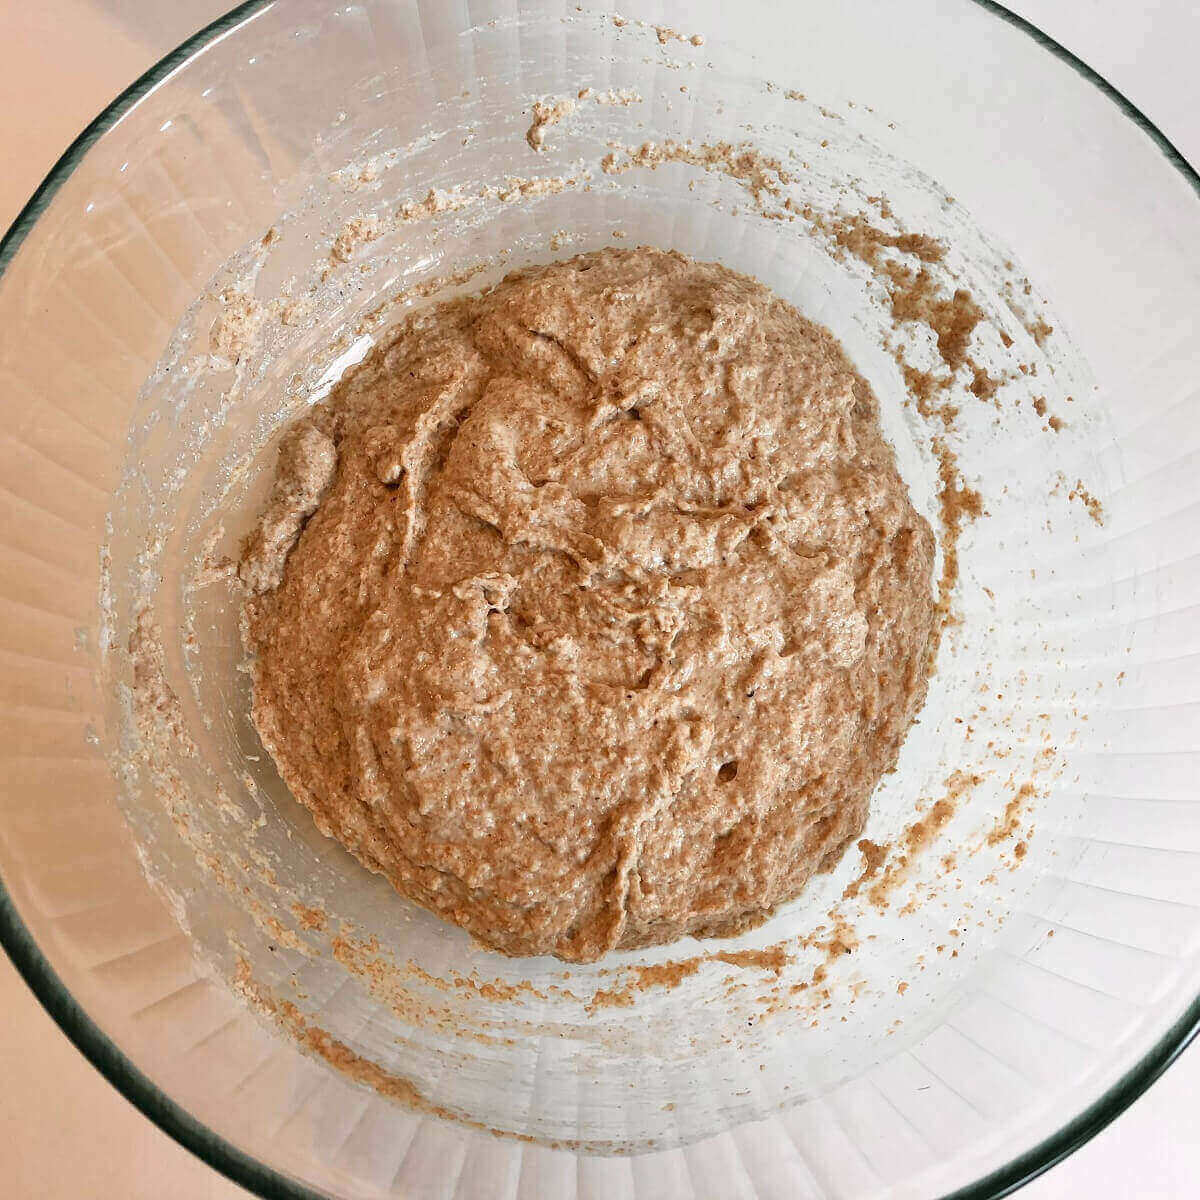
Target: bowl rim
{"x":243,"y":1168}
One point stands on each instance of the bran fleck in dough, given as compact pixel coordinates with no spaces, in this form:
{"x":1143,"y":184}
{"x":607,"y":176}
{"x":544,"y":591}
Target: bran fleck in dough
{"x":590,"y":611}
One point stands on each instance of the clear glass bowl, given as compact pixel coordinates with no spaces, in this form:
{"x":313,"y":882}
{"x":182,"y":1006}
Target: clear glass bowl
{"x":219,"y":246}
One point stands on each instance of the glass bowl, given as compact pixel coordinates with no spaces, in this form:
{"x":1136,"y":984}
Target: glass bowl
{"x":1011,"y":955}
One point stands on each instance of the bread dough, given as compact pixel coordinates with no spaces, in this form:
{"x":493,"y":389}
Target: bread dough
{"x":590,"y":611}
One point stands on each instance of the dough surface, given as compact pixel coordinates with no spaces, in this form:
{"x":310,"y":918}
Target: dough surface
{"x":590,"y":611}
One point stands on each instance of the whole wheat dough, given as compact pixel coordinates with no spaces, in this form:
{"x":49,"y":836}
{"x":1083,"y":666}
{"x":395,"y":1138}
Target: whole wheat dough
{"x":590,"y":611}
